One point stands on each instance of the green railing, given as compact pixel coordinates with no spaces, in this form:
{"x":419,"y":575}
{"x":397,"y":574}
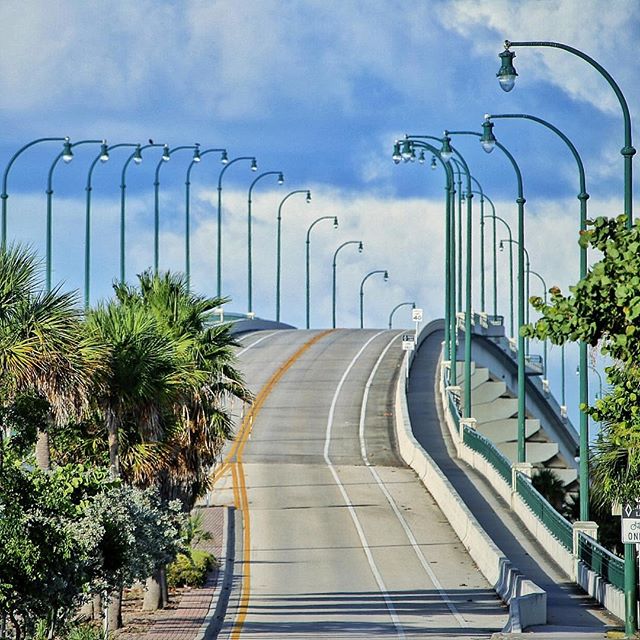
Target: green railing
{"x":603,"y":562}
{"x":559,"y":527}
{"x":487,"y":450}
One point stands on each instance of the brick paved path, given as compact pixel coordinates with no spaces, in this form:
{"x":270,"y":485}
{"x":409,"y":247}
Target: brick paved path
{"x":185,"y":621}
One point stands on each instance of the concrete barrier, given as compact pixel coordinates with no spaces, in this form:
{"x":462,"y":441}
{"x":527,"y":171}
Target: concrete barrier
{"x":527,"y":602}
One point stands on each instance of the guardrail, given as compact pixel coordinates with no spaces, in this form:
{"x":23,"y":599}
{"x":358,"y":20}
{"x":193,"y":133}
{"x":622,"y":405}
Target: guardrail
{"x":601,"y":561}
{"x":487,"y":450}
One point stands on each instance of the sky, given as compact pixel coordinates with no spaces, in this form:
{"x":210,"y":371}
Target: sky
{"x":317,"y":89}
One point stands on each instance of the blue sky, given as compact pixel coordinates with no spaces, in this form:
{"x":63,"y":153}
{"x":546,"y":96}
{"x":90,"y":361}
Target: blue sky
{"x":318,"y":90}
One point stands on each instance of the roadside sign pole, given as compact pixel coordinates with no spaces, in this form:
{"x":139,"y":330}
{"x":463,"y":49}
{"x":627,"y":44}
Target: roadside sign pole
{"x":630,"y":537}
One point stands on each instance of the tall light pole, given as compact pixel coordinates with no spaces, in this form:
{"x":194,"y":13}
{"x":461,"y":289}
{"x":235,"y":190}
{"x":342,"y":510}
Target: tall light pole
{"x":507,"y":76}
{"x":67,"y":155}
{"x":544,"y":297}
{"x":385,"y":276}
{"x":156,"y":200}
{"x":484,"y":197}
{"x":5,"y":195}
{"x":583,"y":196}
{"x":308,"y":247}
{"x":187,"y":208}
{"x":482,"y":293}
{"x":136,"y":156}
{"x":489,"y":142}
{"x":279,"y":243}
{"x":407,"y":153}
{"x":448,"y":152}
{"x":103,"y":156}
{"x":249,"y":238}
{"x":333,"y":266}
{"x":504,"y":222}
{"x":398,"y":306}
{"x":527,"y":270}
{"x":254,"y":167}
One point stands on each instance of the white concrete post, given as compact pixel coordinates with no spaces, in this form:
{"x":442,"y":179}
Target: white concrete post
{"x":588,"y":527}
{"x":469,"y":422}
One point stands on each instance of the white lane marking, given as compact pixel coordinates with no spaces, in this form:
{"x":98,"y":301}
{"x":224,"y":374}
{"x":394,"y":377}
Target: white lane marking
{"x":253,"y":344}
{"x":363,"y":540}
{"x":414,"y":543}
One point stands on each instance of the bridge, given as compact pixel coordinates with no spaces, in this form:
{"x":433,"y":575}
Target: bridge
{"x":360,"y":505}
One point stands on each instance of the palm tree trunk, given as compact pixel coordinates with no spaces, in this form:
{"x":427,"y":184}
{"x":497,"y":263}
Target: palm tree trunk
{"x":153,"y":599}
{"x":43,"y":453}
{"x":114,"y":610}
{"x":112,"y":430}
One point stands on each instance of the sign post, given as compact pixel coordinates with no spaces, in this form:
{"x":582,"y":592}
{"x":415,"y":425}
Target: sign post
{"x":630,"y":537}
{"x":408,"y":344}
{"x":416,"y":316}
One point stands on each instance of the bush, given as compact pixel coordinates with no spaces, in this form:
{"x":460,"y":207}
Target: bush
{"x":190,"y":570}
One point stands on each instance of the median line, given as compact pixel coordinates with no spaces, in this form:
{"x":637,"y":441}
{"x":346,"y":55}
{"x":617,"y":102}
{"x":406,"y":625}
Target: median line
{"x":239,"y":481}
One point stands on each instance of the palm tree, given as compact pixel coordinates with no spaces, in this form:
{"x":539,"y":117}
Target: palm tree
{"x":42,"y":348}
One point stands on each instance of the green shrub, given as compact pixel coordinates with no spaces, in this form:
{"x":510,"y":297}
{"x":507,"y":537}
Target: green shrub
{"x":190,"y":570}
{"x":85,"y":632}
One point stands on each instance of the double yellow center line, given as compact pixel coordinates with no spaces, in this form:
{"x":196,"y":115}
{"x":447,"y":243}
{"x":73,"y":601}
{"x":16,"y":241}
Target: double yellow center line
{"x":233,"y":461}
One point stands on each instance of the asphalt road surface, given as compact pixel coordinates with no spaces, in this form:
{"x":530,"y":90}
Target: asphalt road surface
{"x":341,"y":540}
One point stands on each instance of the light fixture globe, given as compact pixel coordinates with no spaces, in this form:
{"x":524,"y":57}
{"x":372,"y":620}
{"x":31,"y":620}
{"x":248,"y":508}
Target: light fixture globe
{"x":196,"y":154}
{"x":487,"y":140}
{"x":335,"y":222}
{"x":67,"y":152}
{"x":280,"y":178}
{"x":360,"y":247}
{"x":224,"y":158}
{"x":104,"y":152}
{"x":407,"y":150}
{"x":386,"y":276}
{"x":421,"y":157}
{"x":446,"y":152}
{"x":166,"y":155}
{"x":308,"y":198}
{"x":396,"y":156}
{"x":254,"y":165}
{"x":137,"y":155}
{"x":434,"y":164}
{"x":507,"y":73}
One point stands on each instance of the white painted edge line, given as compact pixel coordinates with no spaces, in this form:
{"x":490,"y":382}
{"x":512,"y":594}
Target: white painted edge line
{"x":255,"y":342}
{"x":363,"y":540}
{"x":414,"y":543}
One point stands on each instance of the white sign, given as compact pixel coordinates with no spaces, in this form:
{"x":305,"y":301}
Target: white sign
{"x":416,"y":315}
{"x":631,"y":524}
{"x":408,"y":342}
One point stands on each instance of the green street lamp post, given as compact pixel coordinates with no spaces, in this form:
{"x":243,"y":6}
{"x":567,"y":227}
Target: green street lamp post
{"x":447,"y":152}
{"x":482,"y":279}
{"x":507,"y":76}
{"x":544,"y":342}
{"x":527,"y":270}
{"x":136,"y":156}
{"x":67,"y":155}
{"x":504,"y":222}
{"x":279,"y":244}
{"x":457,"y":170}
{"x":254,"y":167}
{"x":583,"y":196}
{"x":335,"y":256}
{"x":249,"y":238}
{"x":156,"y":200}
{"x":187,"y":207}
{"x":398,"y":306}
{"x":5,"y":195}
{"x":308,"y":247}
{"x":385,"y":277}
{"x":103,"y":156}
{"x":484,"y":197}
{"x":450,"y":326}
{"x":489,"y":142}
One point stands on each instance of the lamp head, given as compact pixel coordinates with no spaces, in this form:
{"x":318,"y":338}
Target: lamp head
{"x":413,"y":305}
{"x":104,"y":151}
{"x":166,"y":156}
{"x":281,"y":178}
{"x":224,"y":158}
{"x":386,"y":276}
{"x":67,"y":152}
{"x":335,"y":222}
{"x":137,"y":155}
{"x":360,"y":247}
{"x":254,"y":164}
{"x":501,"y":245}
{"x":308,"y":198}
{"x":407,"y":151}
{"x":421,"y":157}
{"x":434,"y":164}
{"x":396,"y":157}
{"x":196,"y":153}
{"x":488,"y":140}
{"x":507,"y":72}
{"x":446,"y":151}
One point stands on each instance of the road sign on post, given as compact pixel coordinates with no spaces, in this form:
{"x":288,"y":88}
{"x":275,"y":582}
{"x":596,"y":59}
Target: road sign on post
{"x":631,"y":523}
{"x":408,"y":342}
{"x":416,"y":315}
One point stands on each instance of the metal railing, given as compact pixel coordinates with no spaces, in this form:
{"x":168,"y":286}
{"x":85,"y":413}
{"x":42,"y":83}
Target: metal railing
{"x":601,"y":561}
{"x":487,"y":450}
{"x":559,"y":527}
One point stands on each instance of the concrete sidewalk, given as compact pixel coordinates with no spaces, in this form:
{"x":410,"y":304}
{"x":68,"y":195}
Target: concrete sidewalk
{"x":570,"y":610}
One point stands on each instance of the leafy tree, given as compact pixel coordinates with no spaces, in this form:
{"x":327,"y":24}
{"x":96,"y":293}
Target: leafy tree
{"x":551,"y":487}
{"x":604,"y":309}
